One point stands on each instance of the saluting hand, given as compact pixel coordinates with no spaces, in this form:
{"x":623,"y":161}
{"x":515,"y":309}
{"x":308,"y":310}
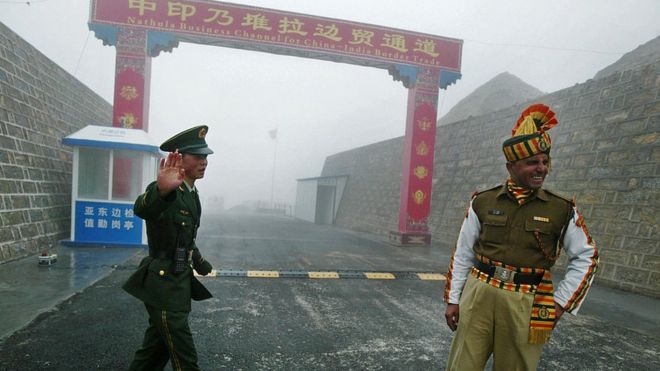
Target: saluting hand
{"x":170,"y":173}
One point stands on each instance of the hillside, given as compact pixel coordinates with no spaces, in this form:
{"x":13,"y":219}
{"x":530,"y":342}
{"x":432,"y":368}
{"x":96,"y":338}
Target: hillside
{"x":502,"y":91}
{"x":646,"y":53}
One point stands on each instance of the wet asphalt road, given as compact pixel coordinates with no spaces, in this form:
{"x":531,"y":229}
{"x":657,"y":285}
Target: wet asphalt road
{"x":304,"y":324}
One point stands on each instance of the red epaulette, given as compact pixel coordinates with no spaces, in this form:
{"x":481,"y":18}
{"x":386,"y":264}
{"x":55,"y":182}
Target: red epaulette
{"x":476,"y":193}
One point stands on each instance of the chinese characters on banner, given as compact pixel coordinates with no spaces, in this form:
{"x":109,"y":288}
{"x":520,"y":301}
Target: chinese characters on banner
{"x":211,"y":19}
{"x":107,"y":222}
{"x":140,"y":29}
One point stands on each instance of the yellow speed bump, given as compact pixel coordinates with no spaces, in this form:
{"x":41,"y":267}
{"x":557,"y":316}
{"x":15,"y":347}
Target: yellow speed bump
{"x":323,"y":274}
{"x":379,"y":276}
{"x":263,"y":274}
{"x":431,"y":276}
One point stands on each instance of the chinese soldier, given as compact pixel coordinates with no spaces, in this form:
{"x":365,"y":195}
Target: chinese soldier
{"x":164,"y":280}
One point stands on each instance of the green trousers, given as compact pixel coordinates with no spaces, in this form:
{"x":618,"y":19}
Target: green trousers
{"x":493,"y":321}
{"x":168,"y":338}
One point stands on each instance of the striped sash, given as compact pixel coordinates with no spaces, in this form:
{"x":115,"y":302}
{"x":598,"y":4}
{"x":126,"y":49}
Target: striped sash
{"x":542,"y":318}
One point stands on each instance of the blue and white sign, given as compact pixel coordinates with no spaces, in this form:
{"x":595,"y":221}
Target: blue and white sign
{"x":107,"y":222}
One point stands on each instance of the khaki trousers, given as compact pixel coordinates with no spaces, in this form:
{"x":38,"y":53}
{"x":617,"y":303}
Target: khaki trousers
{"x":493,"y":321}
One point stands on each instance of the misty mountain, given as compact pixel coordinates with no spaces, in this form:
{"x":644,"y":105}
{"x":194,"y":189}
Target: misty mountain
{"x":644,"y":54}
{"x":502,"y":91}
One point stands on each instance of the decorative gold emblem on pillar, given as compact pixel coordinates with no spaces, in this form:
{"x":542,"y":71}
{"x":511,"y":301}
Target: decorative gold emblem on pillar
{"x":127,"y":120}
{"x":421,"y":172}
{"x":424,"y":124}
{"x":419,"y":196}
{"x":128,"y":92}
{"x":422,"y":149}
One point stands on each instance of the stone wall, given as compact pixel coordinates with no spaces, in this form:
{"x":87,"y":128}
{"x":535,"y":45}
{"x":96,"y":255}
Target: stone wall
{"x":40,"y":103}
{"x":605,"y":153}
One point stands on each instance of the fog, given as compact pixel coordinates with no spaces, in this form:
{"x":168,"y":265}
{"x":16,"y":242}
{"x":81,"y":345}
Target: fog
{"x":320,"y":108}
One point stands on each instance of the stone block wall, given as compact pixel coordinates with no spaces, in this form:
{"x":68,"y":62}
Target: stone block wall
{"x":372,"y":191}
{"x":606,"y":154}
{"x":40,"y":103}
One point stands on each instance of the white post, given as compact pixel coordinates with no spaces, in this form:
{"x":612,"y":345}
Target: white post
{"x":74,"y":190}
{"x":272,"y":181}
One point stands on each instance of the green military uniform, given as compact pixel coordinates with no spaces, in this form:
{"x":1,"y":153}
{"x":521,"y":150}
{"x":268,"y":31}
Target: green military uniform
{"x":521,"y":236}
{"x":164,"y":281}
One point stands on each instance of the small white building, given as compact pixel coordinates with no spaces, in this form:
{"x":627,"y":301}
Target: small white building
{"x":111,"y":167}
{"x":318,"y":199}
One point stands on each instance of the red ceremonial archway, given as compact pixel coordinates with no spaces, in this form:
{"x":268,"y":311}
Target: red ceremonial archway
{"x":141,"y":29}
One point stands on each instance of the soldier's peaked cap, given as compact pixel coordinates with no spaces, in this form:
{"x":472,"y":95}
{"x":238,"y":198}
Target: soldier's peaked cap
{"x":192,"y":141}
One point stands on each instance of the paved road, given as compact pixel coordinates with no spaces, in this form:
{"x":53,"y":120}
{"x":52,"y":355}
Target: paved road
{"x":303,"y":324}
{"x":28,"y":289}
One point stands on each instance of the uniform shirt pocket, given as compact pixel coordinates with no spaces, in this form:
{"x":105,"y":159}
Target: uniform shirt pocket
{"x":544,"y":235}
{"x":185,"y":225}
{"x":183,"y":219}
{"x":160,"y":267}
{"x":494,"y":229}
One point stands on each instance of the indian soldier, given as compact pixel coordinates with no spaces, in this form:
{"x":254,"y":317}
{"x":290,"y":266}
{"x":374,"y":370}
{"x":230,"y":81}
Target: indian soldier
{"x":499,"y":292}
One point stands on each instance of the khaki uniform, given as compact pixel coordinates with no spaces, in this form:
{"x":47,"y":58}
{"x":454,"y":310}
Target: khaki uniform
{"x":495,"y":317}
{"x":511,"y":236}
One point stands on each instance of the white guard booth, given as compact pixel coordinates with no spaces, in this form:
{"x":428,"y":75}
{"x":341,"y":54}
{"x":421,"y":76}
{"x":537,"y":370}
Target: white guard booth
{"x":318,"y":199}
{"x":111,"y":167}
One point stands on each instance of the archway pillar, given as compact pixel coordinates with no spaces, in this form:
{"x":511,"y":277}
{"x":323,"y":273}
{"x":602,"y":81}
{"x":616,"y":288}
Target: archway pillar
{"x":418,"y":154}
{"x":132,"y":79}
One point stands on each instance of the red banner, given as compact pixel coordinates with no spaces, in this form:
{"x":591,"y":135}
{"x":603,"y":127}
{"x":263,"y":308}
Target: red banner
{"x":281,"y":30}
{"x":128,"y":110}
{"x":421,"y":164}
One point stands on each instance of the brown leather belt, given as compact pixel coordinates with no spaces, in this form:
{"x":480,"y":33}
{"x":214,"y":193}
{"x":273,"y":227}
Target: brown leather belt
{"x":507,"y":275}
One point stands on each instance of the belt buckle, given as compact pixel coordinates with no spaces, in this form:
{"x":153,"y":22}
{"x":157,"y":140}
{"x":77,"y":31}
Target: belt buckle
{"x":503,"y":274}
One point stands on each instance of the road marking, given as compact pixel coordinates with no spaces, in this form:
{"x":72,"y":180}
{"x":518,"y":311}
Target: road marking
{"x":379,"y":276}
{"x":323,"y":274}
{"x":431,"y":277}
{"x":263,"y":274}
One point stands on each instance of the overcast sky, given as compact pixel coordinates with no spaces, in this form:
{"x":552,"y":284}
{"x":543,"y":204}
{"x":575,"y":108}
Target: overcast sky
{"x":321,"y":108}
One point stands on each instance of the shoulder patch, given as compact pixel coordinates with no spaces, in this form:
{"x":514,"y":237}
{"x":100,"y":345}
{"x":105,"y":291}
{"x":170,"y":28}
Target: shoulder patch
{"x":496,"y":188}
{"x":570,"y":201}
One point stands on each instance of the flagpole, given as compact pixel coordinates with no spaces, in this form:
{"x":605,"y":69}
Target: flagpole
{"x":272,"y":181}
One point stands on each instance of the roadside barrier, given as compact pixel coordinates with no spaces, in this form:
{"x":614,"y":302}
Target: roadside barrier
{"x":329,"y":274}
